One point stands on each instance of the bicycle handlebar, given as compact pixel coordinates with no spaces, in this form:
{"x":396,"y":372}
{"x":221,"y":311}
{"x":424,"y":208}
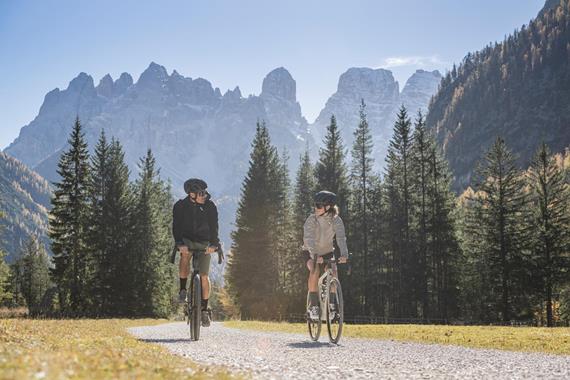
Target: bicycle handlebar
{"x":219,"y":250}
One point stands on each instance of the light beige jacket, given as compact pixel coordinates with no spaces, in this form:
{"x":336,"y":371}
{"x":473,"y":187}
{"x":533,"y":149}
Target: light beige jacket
{"x":319,"y":232}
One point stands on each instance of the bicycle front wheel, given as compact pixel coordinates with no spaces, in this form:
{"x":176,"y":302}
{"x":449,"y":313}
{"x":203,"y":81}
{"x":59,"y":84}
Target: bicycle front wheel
{"x":313,"y":325}
{"x":334,"y":310}
{"x":195,"y":312}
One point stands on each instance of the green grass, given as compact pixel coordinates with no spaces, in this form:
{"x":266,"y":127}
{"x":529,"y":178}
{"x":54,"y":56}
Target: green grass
{"x":530,"y":339}
{"x":89,"y":349}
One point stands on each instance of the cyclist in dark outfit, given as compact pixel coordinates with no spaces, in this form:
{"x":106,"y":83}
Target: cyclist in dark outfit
{"x":195,"y":228}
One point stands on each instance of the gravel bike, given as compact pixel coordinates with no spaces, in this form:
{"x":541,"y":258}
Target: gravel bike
{"x":331,"y":304}
{"x":193,"y":305}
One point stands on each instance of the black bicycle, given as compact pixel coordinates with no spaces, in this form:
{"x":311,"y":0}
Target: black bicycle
{"x":194,"y":301}
{"x":331,"y":305}
{"x":193,"y":306}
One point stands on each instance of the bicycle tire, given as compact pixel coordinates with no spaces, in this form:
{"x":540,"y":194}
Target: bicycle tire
{"x":313,"y":326}
{"x":196,"y":307}
{"x":334,"y":324}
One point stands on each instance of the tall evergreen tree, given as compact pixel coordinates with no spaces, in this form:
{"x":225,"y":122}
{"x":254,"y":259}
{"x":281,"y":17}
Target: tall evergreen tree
{"x":399,"y":203}
{"x":420,"y":165}
{"x":121,"y":256}
{"x":550,"y":198}
{"x":361,"y":179}
{"x":99,"y":226}
{"x":33,"y":274}
{"x":330,"y":170}
{"x":303,"y":207}
{"x":252,"y":270}
{"x":5,"y":291}
{"x":68,"y":223}
{"x":443,"y":246}
{"x":286,"y":249}
{"x":152,"y":274}
{"x":501,"y":208}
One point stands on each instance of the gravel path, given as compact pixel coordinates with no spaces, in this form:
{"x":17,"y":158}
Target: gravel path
{"x":275,"y":355}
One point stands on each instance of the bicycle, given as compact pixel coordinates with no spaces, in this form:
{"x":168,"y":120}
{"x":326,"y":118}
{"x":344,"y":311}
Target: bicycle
{"x":193,"y":305}
{"x":328,"y":285}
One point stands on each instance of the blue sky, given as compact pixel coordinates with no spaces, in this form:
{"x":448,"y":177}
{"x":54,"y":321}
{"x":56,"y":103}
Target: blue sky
{"x":46,"y":43}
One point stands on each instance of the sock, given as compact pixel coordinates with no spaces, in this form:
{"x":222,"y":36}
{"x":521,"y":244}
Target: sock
{"x":183,"y":283}
{"x":204,"y":304}
{"x":313,"y":299}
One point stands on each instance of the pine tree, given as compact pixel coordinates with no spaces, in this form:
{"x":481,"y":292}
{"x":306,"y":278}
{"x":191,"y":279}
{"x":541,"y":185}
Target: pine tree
{"x":443,"y":246}
{"x":152,"y":274}
{"x":330,"y":170}
{"x":286,"y":249}
{"x":500,"y":228}
{"x":99,"y":226}
{"x":5,"y":291}
{"x":361,"y":179}
{"x":303,"y":207}
{"x":420,"y":165}
{"x":68,"y":224}
{"x":550,"y":198}
{"x":399,"y":203}
{"x":34,"y":275}
{"x":252,"y":271}
{"x":378,"y":278}
{"x":119,"y":247}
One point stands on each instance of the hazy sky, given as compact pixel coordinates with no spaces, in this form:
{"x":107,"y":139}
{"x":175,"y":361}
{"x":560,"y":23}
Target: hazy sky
{"x":46,"y":43}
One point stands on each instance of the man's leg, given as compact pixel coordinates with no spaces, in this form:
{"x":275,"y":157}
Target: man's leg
{"x":184,"y":271}
{"x":205,"y":281}
{"x":204,"y":266}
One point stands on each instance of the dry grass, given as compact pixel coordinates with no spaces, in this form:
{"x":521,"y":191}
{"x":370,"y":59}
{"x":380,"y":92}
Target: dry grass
{"x":18,"y":312}
{"x":88,"y":349}
{"x":531,"y":339}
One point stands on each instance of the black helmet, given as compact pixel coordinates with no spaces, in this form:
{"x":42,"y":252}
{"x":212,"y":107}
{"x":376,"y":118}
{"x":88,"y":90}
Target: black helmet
{"x":325,"y":197}
{"x":195,"y":185}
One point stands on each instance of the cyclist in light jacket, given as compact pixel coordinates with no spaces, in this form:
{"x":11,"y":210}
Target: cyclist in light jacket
{"x":319,"y":232}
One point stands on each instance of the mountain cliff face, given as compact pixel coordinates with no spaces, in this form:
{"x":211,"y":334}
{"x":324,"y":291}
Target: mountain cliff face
{"x":383,"y":99}
{"x":196,"y":131}
{"x":24,"y":201}
{"x":518,"y":89}
{"x":192,"y":128}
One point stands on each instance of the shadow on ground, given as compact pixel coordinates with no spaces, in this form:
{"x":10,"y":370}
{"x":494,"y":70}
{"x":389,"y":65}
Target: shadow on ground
{"x":165,"y":340}
{"x":310,"y":345}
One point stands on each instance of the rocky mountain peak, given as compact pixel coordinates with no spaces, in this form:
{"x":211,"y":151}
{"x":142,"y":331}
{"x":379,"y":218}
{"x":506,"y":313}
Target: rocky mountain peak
{"x":154,"y":74}
{"x":80,"y":82}
{"x":105,"y":86}
{"x":280,"y":84}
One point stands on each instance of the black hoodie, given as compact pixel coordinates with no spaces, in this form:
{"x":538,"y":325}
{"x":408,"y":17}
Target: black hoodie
{"x":195,"y":222}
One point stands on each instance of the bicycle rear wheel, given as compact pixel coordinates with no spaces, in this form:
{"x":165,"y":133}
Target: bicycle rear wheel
{"x":195,"y":309}
{"x":334,"y":313}
{"x":314,"y":326}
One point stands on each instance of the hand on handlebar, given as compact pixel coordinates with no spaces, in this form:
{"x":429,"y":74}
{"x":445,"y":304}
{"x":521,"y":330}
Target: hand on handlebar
{"x":319,"y":260}
{"x":342,"y":260}
{"x":211,"y":249}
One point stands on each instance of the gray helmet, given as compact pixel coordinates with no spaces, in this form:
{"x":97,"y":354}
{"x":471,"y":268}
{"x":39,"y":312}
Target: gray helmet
{"x":325,"y":197}
{"x":195,"y":185}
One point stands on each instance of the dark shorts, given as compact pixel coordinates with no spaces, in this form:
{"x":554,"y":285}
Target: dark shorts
{"x":198,"y":253}
{"x":307,"y":256}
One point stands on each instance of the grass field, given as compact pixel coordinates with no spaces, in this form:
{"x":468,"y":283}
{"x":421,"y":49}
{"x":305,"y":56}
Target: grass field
{"x":533,"y":339}
{"x":88,"y":349}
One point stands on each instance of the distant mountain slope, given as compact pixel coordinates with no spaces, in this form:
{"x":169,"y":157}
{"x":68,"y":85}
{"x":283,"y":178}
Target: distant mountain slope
{"x":519,"y":89}
{"x":24,"y":200}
